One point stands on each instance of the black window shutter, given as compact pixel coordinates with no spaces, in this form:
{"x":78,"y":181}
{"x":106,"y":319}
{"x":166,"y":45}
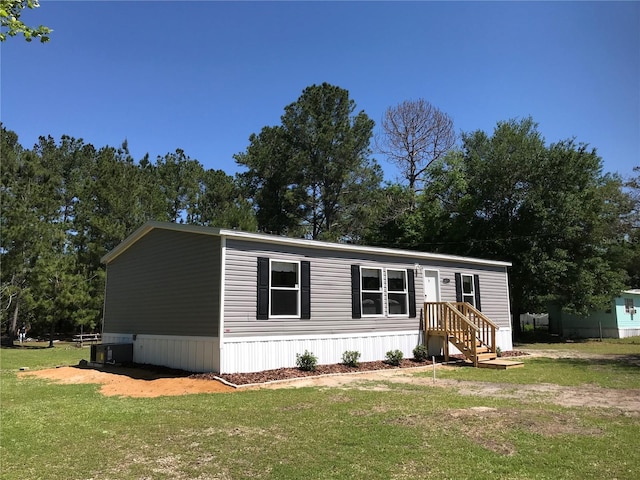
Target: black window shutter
{"x":458,"y":287}
{"x":305,"y":290}
{"x":476,"y":285}
{"x":262,"y":312}
{"x":411,"y":286}
{"x":356,"y":311}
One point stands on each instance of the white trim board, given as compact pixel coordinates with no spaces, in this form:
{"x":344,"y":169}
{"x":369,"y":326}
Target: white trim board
{"x":278,"y":240}
{"x":278,"y":338}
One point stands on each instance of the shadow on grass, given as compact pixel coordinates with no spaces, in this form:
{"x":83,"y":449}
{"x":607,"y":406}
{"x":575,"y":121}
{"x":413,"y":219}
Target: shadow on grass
{"x":543,"y":336}
{"x":25,"y":347}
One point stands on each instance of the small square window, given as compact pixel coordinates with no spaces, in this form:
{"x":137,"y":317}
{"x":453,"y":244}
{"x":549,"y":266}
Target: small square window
{"x":397,"y":280}
{"x":284,"y":302}
{"x":284,"y":274}
{"x":628,"y":305}
{"x":371,"y":279}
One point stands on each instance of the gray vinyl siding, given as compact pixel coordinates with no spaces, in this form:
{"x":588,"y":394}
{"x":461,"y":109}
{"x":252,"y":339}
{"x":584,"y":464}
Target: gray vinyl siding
{"x":331,"y":290}
{"x":494,"y":289}
{"x":167,"y":283}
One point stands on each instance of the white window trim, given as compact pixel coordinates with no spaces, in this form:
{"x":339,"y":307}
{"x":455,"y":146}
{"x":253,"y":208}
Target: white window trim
{"x":381,"y":292}
{"x":473,"y":288}
{"x":296,"y":288}
{"x":405,"y":292}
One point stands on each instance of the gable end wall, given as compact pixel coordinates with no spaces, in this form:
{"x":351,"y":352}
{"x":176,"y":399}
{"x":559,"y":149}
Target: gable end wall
{"x":167,"y":283}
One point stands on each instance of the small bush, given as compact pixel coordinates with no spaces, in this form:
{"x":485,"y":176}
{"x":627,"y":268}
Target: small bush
{"x":350,"y":358}
{"x":394,"y":357}
{"x":307,"y":361}
{"x":498,"y":351}
{"x":420,"y":353}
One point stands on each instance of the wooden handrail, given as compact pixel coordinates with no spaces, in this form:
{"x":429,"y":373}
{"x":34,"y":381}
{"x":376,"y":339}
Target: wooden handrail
{"x":488,"y":327}
{"x":462,"y":321}
{"x":487,"y":334}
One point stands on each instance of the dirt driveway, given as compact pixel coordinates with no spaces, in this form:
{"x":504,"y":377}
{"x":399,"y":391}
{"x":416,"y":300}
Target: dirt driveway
{"x":627,"y":400}
{"x":135,"y":383}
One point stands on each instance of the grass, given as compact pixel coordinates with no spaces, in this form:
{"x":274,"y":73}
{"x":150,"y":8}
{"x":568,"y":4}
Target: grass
{"x":52,"y":431}
{"x":616,"y":366}
{"x":608,"y":346}
{"x":36,"y":355}
{"x":559,"y":371}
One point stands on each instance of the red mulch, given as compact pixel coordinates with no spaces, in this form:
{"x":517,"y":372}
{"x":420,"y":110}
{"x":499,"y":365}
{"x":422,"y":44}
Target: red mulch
{"x":290,"y":373}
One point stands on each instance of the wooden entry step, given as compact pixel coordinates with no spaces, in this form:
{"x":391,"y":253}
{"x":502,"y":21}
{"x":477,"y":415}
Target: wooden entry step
{"x":499,"y":364}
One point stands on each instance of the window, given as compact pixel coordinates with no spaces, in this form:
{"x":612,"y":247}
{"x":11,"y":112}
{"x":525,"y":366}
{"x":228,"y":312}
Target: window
{"x":284,"y":289}
{"x":468,"y":290}
{"x":371,"y":282}
{"x":397,"y":292}
{"x":628,"y":305}
{"x":369,"y":293}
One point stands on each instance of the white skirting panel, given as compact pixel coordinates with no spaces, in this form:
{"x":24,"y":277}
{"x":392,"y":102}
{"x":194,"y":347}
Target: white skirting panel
{"x":628,"y":332}
{"x":193,"y":354}
{"x":504,"y":339}
{"x":253,"y":354}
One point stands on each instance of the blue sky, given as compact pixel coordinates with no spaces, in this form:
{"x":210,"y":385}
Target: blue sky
{"x":202,"y":76}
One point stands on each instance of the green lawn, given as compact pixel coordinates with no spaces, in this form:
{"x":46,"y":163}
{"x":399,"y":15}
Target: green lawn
{"x":615,"y":365}
{"x":36,"y":355}
{"x":614,"y":346}
{"x":560,"y":371}
{"x":52,"y":431}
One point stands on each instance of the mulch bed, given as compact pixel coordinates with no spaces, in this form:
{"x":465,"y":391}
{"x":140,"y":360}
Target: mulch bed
{"x":291,"y":373}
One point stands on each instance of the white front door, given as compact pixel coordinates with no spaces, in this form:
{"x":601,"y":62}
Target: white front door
{"x":431,"y":286}
{"x":431,"y":294}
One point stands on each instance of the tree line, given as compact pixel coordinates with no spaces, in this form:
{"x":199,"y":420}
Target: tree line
{"x":569,"y":228}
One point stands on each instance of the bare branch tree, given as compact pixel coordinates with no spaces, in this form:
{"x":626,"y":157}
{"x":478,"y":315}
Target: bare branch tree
{"x":415,"y":134}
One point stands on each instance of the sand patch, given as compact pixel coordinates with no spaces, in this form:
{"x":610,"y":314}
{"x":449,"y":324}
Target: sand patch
{"x":130,"y":382}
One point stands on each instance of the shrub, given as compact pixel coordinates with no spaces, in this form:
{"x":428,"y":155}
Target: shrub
{"x":307,"y":361}
{"x":394,"y":357}
{"x":350,"y":358}
{"x":420,"y":353}
{"x":498,"y":351}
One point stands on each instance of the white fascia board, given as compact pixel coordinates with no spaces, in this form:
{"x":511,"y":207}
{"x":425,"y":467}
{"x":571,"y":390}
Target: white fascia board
{"x":413,"y":254}
{"x":298,"y":242}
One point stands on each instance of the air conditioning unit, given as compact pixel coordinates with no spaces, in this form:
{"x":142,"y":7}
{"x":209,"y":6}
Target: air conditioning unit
{"x":112,"y":353}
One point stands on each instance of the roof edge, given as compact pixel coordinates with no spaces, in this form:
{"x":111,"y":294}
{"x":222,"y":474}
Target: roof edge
{"x":356,"y":248}
{"x":153,"y":225}
{"x":279,"y":240}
